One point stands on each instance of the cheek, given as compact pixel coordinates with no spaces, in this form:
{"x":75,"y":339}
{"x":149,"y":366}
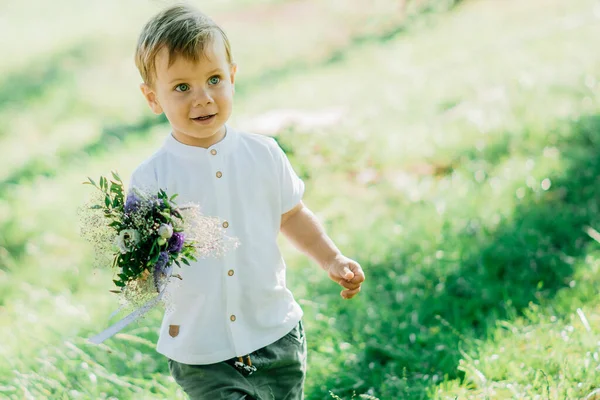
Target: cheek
{"x":176,"y":104}
{"x":225,"y":95}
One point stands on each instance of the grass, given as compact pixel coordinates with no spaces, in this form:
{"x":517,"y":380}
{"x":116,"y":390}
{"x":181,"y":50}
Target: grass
{"x":462,"y":174}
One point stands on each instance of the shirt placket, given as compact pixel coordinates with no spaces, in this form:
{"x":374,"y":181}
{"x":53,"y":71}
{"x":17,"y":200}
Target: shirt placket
{"x":229,"y":274}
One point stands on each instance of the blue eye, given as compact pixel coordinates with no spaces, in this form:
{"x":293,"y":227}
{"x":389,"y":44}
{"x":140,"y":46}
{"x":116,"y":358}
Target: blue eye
{"x":214,"y":80}
{"x":182,"y":87}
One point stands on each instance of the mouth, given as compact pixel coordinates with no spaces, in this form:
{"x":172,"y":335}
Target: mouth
{"x":204,"y":118}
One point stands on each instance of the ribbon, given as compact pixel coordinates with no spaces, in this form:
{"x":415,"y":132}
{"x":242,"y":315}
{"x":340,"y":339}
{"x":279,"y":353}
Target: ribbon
{"x":120,"y":325}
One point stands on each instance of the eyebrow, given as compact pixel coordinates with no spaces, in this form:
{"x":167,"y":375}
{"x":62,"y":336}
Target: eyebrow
{"x":183,"y":79}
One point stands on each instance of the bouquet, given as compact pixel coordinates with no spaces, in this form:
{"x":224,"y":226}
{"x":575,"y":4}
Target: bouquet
{"x":143,"y":236}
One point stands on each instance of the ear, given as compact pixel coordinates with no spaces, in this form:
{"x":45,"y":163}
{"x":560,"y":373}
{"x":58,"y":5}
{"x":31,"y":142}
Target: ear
{"x":232,"y":72}
{"x":150,"y":96}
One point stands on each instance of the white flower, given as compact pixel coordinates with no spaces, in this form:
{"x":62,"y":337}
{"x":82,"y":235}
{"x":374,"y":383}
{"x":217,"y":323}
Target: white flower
{"x":165,"y":231}
{"x":127,"y":239}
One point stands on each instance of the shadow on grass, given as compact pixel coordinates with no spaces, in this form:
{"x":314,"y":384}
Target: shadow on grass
{"x":416,"y":319}
{"x":338,"y":54}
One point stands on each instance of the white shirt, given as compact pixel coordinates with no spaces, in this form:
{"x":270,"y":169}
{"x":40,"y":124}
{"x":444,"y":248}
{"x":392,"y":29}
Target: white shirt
{"x":233,"y":305}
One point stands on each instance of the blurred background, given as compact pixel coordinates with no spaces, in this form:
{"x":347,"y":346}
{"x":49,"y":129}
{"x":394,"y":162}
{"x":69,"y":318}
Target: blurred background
{"x":451,"y":147}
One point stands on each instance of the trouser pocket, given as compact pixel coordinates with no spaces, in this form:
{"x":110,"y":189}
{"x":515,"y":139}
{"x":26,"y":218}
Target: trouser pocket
{"x":296,"y":335}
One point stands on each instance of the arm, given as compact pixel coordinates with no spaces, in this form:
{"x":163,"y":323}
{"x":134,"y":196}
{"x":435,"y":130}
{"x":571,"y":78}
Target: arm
{"x":306,"y":233}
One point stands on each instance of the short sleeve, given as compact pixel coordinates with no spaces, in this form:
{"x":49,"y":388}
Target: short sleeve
{"x":291,"y":187}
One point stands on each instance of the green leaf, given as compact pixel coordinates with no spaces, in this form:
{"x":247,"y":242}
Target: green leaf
{"x":185,"y":261}
{"x":119,"y":283}
{"x":177,"y":214}
{"x":116,"y":176}
{"x":166,"y":215}
{"x":107,"y":201}
{"x":154,"y":259}
{"x":92,"y":182}
{"x":173,"y":197}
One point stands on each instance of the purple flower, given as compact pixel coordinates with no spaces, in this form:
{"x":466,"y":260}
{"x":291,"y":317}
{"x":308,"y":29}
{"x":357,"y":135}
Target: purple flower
{"x":176,"y":242}
{"x":163,"y":259}
{"x":160,"y":268}
{"x":132,"y":203}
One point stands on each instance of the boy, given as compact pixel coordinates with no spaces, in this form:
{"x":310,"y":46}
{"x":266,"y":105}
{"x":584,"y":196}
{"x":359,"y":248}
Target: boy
{"x":233,"y":330}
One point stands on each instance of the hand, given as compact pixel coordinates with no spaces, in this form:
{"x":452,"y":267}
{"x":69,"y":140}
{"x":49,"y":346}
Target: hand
{"x":347,"y":273}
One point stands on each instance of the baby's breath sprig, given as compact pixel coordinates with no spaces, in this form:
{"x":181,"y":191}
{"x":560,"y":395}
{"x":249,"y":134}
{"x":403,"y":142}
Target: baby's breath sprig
{"x":149,"y":233}
{"x":144,"y":235}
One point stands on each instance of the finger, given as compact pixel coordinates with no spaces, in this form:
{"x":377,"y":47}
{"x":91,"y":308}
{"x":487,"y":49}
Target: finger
{"x":348,"y":285}
{"x":347,"y":273}
{"x":348,"y":294}
{"x":345,"y":276}
{"x":359,"y":275}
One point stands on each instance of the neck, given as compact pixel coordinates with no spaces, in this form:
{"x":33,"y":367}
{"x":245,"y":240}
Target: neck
{"x":200,"y":142}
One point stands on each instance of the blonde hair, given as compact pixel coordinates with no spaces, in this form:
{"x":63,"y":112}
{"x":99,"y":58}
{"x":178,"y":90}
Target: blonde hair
{"x":183,"y":30}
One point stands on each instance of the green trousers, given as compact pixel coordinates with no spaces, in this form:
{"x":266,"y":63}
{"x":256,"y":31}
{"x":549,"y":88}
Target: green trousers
{"x":274,"y":372}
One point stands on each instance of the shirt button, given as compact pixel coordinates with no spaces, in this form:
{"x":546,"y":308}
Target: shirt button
{"x":232,"y":318}
{"x":213,"y":152}
{"x":219,"y":174}
{"x":230,"y":272}
{"x":225,"y":224}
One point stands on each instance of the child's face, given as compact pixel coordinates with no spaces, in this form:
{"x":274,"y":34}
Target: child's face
{"x":196,"y":97}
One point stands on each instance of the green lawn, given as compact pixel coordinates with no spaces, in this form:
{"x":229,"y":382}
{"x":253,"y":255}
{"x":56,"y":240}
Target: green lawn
{"x":454,"y":155}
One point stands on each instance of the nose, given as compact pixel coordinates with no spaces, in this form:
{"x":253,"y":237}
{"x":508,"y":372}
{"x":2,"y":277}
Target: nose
{"x":202,"y":97}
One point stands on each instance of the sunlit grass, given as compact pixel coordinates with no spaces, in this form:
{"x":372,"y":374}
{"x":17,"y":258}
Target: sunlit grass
{"x":457,"y":146}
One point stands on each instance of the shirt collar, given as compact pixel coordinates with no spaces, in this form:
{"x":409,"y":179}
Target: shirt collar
{"x":223,"y":147}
